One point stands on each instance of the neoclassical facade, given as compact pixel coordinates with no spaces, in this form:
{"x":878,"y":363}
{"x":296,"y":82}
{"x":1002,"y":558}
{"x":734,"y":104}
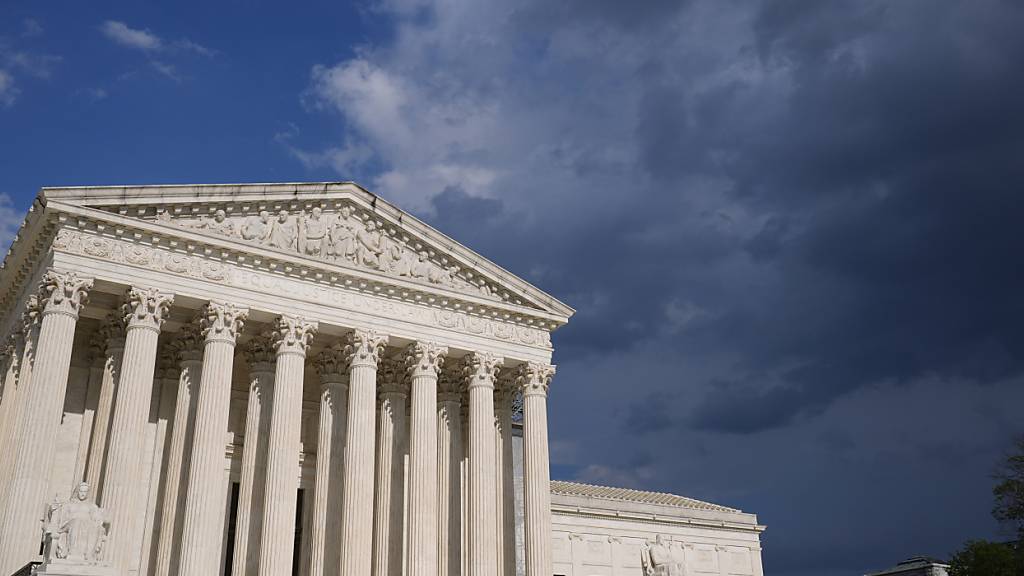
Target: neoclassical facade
{"x":270,"y":380}
{"x":274,"y":380}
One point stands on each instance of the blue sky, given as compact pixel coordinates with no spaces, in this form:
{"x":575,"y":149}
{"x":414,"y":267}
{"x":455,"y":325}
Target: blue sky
{"x":790,"y":228}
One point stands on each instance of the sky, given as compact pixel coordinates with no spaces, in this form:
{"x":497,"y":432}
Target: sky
{"x":788,"y":227}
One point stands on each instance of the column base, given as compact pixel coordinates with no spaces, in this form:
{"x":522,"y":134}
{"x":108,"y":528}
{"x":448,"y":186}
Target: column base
{"x":73,"y":569}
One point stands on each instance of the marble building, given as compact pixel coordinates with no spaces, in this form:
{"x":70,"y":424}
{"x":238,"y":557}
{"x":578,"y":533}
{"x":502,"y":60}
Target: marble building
{"x":275,"y":379}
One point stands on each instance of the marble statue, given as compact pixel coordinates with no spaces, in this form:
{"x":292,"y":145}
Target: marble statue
{"x":313,"y":233}
{"x":257,"y":227}
{"x":343,"y":235}
{"x":219,"y":224}
{"x":657,"y":559}
{"x":76,"y":529}
{"x":282,"y":232}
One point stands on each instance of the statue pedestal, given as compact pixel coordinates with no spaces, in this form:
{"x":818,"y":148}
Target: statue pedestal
{"x":58,"y":568}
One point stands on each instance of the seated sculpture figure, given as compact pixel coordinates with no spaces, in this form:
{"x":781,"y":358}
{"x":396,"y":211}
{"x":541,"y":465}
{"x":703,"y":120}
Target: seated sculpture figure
{"x":657,"y":559}
{"x":76,"y":530}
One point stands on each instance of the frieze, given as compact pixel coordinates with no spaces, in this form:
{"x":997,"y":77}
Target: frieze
{"x":194,"y":266}
{"x":345,"y":235}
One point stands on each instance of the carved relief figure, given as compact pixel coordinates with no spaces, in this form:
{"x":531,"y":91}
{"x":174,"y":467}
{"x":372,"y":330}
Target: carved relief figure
{"x":313,"y":233}
{"x":343,"y":235}
{"x":282,"y":232}
{"x":219,"y":224}
{"x":369,"y":247}
{"x":76,"y":530}
{"x":257,"y":227}
{"x":657,"y":559}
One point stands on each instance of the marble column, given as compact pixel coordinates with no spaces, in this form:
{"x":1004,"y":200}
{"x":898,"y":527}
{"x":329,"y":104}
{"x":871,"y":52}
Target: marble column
{"x":200,"y":536}
{"x":112,"y":336}
{"x":505,"y":521}
{"x":291,"y":341}
{"x":424,"y":361}
{"x":481,"y":370}
{"x":97,"y":353}
{"x":534,"y":380}
{"x":364,"y":349}
{"x":392,"y":447}
{"x":170,"y":372}
{"x":18,"y":375}
{"x":145,"y":311}
{"x":252,"y":478}
{"x":449,"y":473}
{"x":190,"y":361}
{"x":61,"y":296}
{"x":325,"y":528}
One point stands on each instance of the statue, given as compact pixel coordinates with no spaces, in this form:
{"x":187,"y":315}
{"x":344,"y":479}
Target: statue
{"x":343,"y":235}
{"x":76,"y":530}
{"x":313,"y":233}
{"x":282,"y":232}
{"x":257,"y":227}
{"x":657,"y":559}
{"x":219,"y":224}
{"x":369,"y":247}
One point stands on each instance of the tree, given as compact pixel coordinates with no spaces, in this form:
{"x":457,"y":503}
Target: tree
{"x":981,"y":558}
{"x":1009,"y":492}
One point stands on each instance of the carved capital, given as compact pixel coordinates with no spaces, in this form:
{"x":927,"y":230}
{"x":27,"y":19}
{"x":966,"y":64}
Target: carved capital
{"x":481,"y":369}
{"x":391,"y":375}
{"x":292,"y":335}
{"x":146,"y":308}
{"x":535,"y":378}
{"x":424,"y":358}
{"x":450,"y":385}
{"x":189,"y":345}
{"x":332,"y":364}
{"x":111,"y":334}
{"x":63,"y":292}
{"x":259,"y":352}
{"x":505,"y":390}
{"x":31,"y":316}
{"x":222,"y":322}
{"x":365,"y":347}
{"x":167,"y":362}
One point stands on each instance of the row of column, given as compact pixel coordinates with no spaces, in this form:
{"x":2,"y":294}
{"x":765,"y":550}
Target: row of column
{"x":360,"y":522}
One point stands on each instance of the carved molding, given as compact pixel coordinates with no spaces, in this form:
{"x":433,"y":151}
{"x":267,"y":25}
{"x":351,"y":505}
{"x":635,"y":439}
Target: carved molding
{"x":292,"y":334}
{"x":63,"y":292}
{"x":310,"y":285}
{"x":222,"y":322}
{"x":481,"y":369}
{"x":146,"y":307}
{"x":535,"y":378}
{"x":424,"y":358}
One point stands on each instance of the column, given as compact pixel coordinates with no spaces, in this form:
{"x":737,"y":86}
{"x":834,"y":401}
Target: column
{"x":325,"y":527}
{"x":200,"y":535}
{"x":505,"y":520}
{"x":291,"y":341}
{"x":98,"y":355}
{"x":16,"y":383}
{"x":481,"y":369}
{"x":61,"y":296}
{"x":112,"y":334}
{"x":449,"y":473}
{"x":171,"y":375}
{"x":190,"y":361}
{"x":122,"y":481}
{"x":392,"y":447}
{"x":424,"y":363}
{"x":252,"y":480}
{"x":364,"y":350}
{"x":534,"y":380}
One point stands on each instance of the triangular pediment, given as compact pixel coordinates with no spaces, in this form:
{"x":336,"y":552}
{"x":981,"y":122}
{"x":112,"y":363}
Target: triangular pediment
{"x":327,"y":224}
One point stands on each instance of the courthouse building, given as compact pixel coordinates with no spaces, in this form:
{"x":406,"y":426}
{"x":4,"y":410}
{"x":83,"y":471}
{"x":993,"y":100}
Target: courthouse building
{"x":296,"y":379}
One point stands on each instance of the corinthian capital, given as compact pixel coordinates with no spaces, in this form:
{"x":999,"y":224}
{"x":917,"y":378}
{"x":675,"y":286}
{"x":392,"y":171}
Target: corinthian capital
{"x":481,"y":369}
{"x":535,"y":378}
{"x":293,"y":334}
{"x":63,"y":292}
{"x":31,"y":316}
{"x":364,"y":347}
{"x":424,"y":358}
{"x":331,"y":364}
{"x":222,"y":322}
{"x":146,"y":307}
{"x":450,"y":384}
{"x":260,"y":351}
{"x":189,"y":345}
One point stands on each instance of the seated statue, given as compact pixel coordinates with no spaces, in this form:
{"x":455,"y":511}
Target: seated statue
{"x":76,"y":530}
{"x":657,"y":559}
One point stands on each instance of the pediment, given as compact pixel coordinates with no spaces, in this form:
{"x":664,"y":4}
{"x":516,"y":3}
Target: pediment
{"x":332,"y":224}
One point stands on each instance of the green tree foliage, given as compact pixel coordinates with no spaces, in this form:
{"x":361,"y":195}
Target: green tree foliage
{"x":1009,"y":492}
{"x":981,"y":558}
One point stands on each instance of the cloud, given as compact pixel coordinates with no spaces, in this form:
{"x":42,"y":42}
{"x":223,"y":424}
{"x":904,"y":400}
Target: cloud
{"x":124,"y":35}
{"x":31,"y":27}
{"x":36,"y":65}
{"x":10,"y":220}
{"x":8,"y":91}
{"x":166,"y":70}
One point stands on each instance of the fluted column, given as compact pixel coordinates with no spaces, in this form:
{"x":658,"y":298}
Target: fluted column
{"x":61,"y":296}
{"x":200,"y":538}
{"x":17,"y":378}
{"x":145,"y":310}
{"x":424,"y":361}
{"x":325,"y":525}
{"x":112,"y":335}
{"x":449,"y":473}
{"x":364,"y":349}
{"x":291,"y":340}
{"x":168,"y":368}
{"x":252,"y":480}
{"x":534,"y":379}
{"x":505,"y":521}
{"x":392,"y":447}
{"x":481,"y":369}
{"x":190,"y":362}
{"x":97,"y":353}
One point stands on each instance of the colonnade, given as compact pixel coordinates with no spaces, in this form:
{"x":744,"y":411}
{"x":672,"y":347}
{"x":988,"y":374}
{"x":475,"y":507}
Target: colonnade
{"x":402,"y":486}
